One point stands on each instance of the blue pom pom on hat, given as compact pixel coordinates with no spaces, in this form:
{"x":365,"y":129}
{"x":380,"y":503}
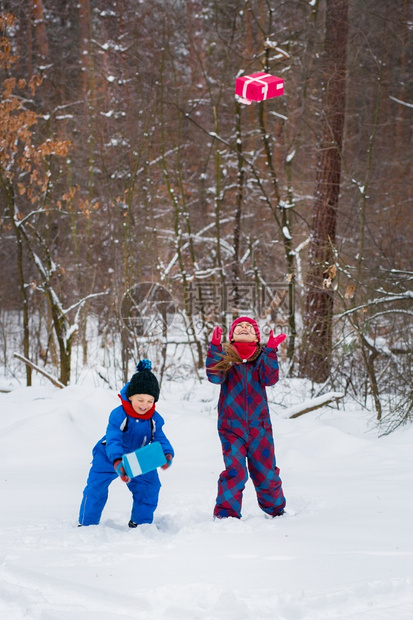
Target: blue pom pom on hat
{"x":144,"y":365}
{"x":143,"y":381}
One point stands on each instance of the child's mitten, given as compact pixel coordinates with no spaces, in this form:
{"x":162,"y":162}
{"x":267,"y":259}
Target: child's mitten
{"x":168,"y":461}
{"x":216,"y":335}
{"x":275,"y":341}
{"x":120,"y":470}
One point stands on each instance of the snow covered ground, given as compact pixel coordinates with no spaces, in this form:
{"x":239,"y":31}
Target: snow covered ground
{"x":344,"y":550}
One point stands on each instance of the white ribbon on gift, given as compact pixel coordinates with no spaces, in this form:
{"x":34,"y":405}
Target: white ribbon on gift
{"x":259,"y":79}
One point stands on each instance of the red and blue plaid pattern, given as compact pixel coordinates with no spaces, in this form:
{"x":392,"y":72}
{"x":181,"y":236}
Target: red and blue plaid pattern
{"x":245,"y":431}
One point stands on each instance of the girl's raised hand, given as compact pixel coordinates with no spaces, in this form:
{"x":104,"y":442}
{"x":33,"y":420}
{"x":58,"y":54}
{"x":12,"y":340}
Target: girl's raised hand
{"x":216,"y":336}
{"x":275,"y":341}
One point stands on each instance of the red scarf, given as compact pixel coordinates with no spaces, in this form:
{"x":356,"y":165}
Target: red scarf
{"x":127,"y":405}
{"x":245,"y":349}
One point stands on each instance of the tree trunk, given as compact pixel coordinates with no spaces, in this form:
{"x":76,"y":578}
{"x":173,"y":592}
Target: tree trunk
{"x":40,"y":26}
{"x":315,"y":360}
{"x":10,"y":202}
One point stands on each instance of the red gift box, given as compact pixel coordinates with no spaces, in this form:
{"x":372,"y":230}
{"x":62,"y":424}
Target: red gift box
{"x":258,"y":87}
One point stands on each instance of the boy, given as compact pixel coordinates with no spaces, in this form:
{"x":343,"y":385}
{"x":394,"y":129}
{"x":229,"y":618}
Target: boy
{"x":132,"y":425}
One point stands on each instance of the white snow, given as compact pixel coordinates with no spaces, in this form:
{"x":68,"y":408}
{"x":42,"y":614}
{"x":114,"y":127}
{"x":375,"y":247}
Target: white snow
{"x":408,"y":105}
{"x":286,"y":232}
{"x":290,"y":156}
{"x":343,"y":550}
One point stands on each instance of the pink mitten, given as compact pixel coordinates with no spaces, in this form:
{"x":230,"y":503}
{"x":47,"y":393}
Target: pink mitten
{"x":216,"y":336}
{"x":275,"y":341}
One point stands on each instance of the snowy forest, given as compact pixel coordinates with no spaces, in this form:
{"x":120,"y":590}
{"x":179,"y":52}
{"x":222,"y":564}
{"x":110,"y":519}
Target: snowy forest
{"x":142,"y":203}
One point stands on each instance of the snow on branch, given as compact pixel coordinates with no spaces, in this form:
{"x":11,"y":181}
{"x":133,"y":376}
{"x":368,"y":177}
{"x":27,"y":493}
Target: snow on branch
{"x":296,"y":254}
{"x":19,"y":223}
{"x":43,"y":372}
{"x":391,"y":312}
{"x":408,"y":105}
{"x":45,"y":272}
{"x":313,"y":403}
{"x":382,"y":300}
{"x":81,"y":302}
{"x":73,"y":327}
{"x":224,"y":245}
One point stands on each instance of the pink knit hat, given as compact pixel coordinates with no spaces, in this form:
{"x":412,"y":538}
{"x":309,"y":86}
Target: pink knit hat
{"x":241,"y":319}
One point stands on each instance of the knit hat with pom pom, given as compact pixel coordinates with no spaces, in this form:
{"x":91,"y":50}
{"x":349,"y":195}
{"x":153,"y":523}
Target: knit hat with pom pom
{"x":143,"y":381}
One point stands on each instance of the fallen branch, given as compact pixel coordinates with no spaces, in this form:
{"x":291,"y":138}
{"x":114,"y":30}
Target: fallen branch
{"x":55,"y":381}
{"x":314,"y":403}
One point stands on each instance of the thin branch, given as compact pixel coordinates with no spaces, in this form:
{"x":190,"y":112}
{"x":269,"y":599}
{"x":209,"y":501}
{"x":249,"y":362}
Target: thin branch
{"x":383,"y":300}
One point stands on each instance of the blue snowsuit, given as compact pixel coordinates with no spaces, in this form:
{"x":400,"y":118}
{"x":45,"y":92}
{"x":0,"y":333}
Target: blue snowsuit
{"x":124,"y":434}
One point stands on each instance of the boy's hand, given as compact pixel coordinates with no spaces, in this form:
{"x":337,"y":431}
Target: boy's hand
{"x":216,"y":336}
{"x":120,"y":470}
{"x":275,"y":341}
{"x":168,"y":461}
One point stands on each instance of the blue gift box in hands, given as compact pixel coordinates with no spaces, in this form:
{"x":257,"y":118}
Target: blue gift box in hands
{"x":144,"y":459}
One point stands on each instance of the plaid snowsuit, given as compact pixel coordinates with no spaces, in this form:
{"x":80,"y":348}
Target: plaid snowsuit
{"x":245,"y":431}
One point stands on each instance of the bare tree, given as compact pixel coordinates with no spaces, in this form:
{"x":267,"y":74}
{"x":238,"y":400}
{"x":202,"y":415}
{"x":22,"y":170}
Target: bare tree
{"x":315,"y":360}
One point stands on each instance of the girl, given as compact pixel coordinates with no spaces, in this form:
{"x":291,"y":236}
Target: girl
{"x":244,"y":368}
